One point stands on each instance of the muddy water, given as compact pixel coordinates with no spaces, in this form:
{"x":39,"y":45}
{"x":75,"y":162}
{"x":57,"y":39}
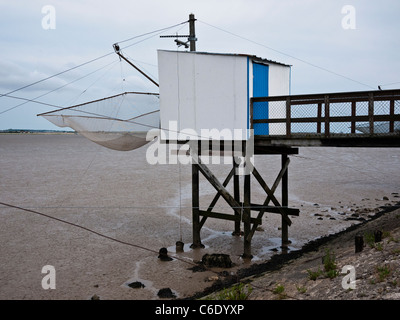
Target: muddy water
{"x":120,"y":195}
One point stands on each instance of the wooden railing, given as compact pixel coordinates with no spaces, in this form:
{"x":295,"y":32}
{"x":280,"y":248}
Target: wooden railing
{"x":350,"y":113}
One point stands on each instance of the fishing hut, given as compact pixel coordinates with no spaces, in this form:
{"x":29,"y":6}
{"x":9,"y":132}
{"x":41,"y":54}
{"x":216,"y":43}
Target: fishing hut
{"x":205,"y":102}
{"x":233,"y":106}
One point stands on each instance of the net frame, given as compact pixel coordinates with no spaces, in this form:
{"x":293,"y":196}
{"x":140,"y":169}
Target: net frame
{"x":119,"y":122}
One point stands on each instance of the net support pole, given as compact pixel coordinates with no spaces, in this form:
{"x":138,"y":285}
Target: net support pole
{"x":144,"y":74}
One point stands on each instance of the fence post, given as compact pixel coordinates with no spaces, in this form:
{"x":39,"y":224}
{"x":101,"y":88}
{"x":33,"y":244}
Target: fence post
{"x":327,"y":129}
{"x":391,"y":123}
{"x":319,"y":117}
{"x":353,"y":115}
{"x":359,"y":242}
{"x":288,"y":113}
{"x":371,"y":113}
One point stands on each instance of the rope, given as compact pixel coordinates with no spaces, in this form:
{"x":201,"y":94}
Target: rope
{"x":95,"y":232}
{"x":78,"y":226}
{"x":113,"y":239}
{"x":130,"y":244}
{"x":179,"y":163}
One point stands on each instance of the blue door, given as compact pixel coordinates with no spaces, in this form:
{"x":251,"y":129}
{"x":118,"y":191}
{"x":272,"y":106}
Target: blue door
{"x":260,"y":89}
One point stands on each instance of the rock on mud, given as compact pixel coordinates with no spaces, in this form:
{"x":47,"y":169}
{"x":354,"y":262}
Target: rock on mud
{"x":217,"y":260}
{"x":166,"y":293}
{"x":136,"y":285}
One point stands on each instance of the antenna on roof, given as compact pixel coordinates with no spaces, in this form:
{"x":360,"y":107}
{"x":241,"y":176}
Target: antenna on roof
{"x":191,"y":37}
{"x":181,"y":43}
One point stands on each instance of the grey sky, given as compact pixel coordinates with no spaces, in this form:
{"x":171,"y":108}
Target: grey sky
{"x":308,"y":30}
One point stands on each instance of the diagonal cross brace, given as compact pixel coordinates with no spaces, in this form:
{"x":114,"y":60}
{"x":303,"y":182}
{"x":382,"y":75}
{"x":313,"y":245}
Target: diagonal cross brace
{"x":271,"y":197}
{"x":218,"y":186}
{"x":214,"y":201}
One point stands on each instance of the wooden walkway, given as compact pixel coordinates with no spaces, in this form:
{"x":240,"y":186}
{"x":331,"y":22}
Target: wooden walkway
{"x":352,"y":119}
{"x":349,"y":119}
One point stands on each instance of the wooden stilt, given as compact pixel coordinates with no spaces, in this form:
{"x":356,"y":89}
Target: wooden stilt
{"x":246,"y":217}
{"x":285,"y":202}
{"x":359,"y":242}
{"x":196,"y":208}
{"x":236,"y":196}
{"x":242,"y":210}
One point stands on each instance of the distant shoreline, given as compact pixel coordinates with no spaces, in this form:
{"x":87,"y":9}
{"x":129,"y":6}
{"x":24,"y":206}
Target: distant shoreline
{"x":29,"y":131}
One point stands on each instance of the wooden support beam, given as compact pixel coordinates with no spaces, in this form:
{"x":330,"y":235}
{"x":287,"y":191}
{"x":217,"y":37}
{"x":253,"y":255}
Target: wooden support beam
{"x":195,"y":208}
{"x":271,"y":195}
{"x":261,"y":148}
{"x":217,"y":196}
{"x":246,"y":218}
{"x":225,"y":216}
{"x":274,"y":209}
{"x":236,"y":195}
{"x":242,"y":210}
{"x":218,"y":186}
{"x":283,"y":211}
{"x":217,"y":215}
{"x":285,"y":199}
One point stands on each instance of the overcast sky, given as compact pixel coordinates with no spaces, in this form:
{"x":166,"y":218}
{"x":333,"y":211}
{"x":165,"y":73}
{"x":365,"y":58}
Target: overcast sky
{"x":330,"y":48}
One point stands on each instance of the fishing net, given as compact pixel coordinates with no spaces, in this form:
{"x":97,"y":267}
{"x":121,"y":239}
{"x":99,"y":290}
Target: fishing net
{"x":120,"y":122}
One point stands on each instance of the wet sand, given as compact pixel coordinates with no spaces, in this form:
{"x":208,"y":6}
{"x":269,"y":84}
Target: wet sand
{"x":120,"y":195}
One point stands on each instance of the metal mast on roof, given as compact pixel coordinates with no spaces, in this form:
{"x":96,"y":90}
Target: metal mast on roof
{"x":192,"y":34}
{"x":191,"y":37}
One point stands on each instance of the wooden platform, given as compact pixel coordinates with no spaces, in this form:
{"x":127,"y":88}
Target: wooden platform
{"x":263,"y":143}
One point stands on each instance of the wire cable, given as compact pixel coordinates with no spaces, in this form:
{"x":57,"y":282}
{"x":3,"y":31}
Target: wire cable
{"x":286,"y":54}
{"x":389,"y":84}
{"x":34,"y":100}
{"x":26,"y":101}
{"x":151,"y":32}
{"x":92,"y":60}
{"x":55,"y":75}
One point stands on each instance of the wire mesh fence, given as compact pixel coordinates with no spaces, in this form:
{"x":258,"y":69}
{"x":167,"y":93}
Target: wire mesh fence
{"x":349,"y":114}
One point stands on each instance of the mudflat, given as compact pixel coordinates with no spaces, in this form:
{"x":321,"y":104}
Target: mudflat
{"x":120,"y":196}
